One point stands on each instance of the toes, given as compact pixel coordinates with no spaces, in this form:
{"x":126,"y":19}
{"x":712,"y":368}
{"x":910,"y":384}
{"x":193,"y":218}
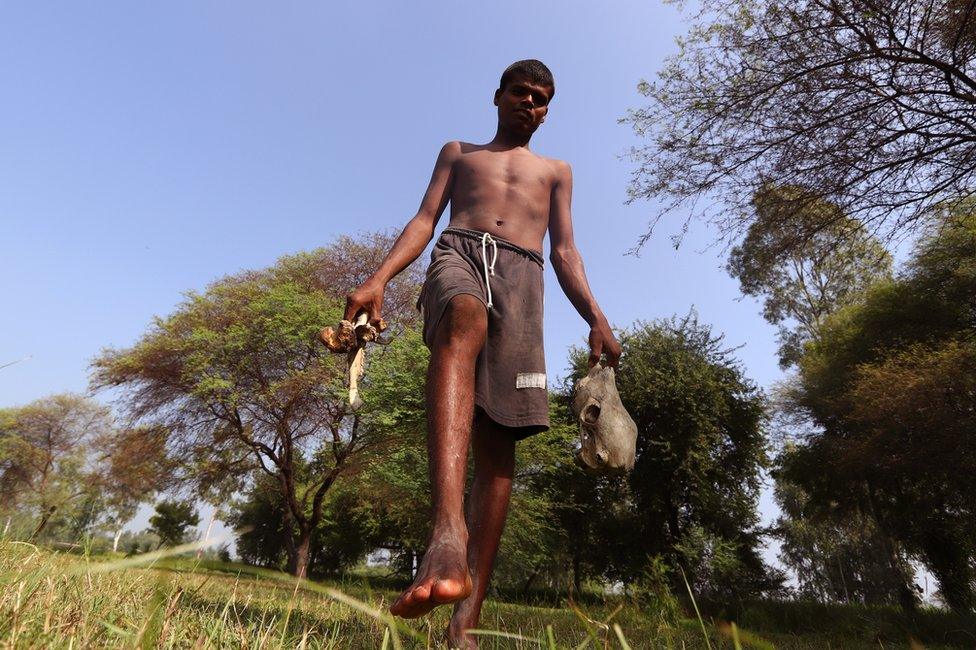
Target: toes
{"x":413,"y":602}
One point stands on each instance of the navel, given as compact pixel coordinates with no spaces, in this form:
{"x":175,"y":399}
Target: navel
{"x":499,"y":222}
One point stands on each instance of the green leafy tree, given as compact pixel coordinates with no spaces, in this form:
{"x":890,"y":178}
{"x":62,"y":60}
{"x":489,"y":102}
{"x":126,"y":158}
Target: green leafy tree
{"x":691,"y":498}
{"x":237,"y":380}
{"x":890,"y":386}
{"x":805,"y":259}
{"x":346,"y":531}
{"x":259,"y":515}
{"x":171,"y":521}
{"x":55,"y":464}
{"x":868,"y":105}
{"x":837,"y":554}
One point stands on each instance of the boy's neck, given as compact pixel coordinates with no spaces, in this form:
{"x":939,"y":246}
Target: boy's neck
{"x":509,"y":139}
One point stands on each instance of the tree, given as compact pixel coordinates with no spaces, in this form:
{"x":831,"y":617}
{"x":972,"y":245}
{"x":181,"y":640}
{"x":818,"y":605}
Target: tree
{"x":890,"y":386}
{"x":867,"y":104}
{"x":701,"y":447}
{"x":48,"y":463}
{"x":237,"y":380}
{"x":259,"y":515}
{"x":171,"y":520}
{"x":803,"y":279}
{"x":346,"y":530}
{"x":837,"y":554}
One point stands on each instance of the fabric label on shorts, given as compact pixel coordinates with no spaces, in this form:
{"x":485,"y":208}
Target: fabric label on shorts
{"x":530,"y":380}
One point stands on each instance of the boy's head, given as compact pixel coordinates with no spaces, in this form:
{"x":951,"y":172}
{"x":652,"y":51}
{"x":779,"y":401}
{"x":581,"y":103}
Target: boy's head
{"x":523,"y":96}
{"x":531,"y":70}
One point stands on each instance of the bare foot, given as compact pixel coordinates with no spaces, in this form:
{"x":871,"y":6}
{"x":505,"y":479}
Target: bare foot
{"x":443,"y":578}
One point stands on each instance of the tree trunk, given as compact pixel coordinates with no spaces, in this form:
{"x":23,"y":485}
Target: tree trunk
{"x":950,"y":565}
{"x":115,"y":540}
{"x":907,"y":598}
{"x":576,"y":573}
{"x":42,"y":524}
{"x":298,"y":561}
{"x":531,"y":579}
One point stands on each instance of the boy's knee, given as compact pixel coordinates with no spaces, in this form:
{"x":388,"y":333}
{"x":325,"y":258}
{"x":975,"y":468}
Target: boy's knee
{"x":465,"y":319}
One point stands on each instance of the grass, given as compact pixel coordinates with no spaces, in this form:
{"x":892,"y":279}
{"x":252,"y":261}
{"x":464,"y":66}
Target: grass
{"x":52,"y":599}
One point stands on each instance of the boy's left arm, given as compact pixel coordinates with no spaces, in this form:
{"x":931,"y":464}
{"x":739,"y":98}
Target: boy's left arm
{"x":568,"y":265}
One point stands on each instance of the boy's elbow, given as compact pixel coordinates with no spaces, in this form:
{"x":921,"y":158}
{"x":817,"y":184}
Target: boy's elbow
{"x":562,"y":255}
{"x":424,"y":222}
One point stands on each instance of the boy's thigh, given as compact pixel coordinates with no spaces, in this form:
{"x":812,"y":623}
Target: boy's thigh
{"x":464,"y":319}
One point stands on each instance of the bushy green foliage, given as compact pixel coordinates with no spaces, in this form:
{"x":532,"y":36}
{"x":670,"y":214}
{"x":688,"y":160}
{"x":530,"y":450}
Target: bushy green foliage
{"x":701,"y":447}
{"x":171,"y":521}
{"x":891,"y":387}
{"x":806,"y":259}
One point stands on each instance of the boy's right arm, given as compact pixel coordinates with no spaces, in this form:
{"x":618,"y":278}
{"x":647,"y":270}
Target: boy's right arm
{"x":410,"y":244}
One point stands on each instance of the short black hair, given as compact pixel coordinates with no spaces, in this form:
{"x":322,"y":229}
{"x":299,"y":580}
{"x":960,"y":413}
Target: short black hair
{"x":531,"y":69}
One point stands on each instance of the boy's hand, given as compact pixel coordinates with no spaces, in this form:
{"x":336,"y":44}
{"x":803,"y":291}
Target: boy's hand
{"x":368,"y":296}
{"x":602,"y":341}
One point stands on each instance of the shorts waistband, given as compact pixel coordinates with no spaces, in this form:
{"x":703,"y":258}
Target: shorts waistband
{"x":535,"y":256}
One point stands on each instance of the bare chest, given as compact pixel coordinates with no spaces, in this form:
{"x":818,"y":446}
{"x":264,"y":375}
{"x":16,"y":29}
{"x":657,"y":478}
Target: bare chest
{"x":489,"y":173}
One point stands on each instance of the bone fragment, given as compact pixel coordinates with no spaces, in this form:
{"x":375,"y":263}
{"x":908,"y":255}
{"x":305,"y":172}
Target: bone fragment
{"x":341,"y":339}
{"x":352,"y":338}
{"x":357,"y":357}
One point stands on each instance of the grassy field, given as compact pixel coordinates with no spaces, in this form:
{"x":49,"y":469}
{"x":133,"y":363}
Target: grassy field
{"x":56,"y":600}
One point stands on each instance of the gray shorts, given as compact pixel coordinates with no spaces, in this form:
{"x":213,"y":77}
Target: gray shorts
{"x":510,"y":373}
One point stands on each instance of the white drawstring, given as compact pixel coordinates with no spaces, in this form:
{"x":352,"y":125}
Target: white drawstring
{"x":489,"y":269}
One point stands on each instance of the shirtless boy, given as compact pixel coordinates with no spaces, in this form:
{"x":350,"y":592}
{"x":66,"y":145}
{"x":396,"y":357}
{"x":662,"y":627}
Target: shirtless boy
{"x":482,"y":308}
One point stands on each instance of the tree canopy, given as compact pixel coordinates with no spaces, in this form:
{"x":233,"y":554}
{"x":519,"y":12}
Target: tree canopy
{"x":171,"y":521}
{"x":237,"y":380}
{"x":868,"y":104}
{"x":803,"y":278}
{"x":890,"y":386}
{"x":64,"y":461}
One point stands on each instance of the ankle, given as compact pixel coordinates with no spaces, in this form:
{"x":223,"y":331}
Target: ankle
{"x":449,"y":532}
{"x":464,"y":618}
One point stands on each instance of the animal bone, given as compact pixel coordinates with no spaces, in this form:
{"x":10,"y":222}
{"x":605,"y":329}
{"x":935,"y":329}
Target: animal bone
{"x":608,"y":435}
{"x":351,"y":335}
{"x":341,"y":339}
{"x":352,"y":338}
{"x":356,"y":358}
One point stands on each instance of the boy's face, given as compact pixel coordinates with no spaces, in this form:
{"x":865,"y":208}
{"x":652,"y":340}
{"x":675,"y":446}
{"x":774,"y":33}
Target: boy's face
{"x":522,"y":104}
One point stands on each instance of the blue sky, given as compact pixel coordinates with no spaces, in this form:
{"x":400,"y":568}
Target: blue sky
{"x":146,"y":149}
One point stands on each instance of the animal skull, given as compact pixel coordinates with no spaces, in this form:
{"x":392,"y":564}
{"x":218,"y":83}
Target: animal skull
{"x":608,"y":435}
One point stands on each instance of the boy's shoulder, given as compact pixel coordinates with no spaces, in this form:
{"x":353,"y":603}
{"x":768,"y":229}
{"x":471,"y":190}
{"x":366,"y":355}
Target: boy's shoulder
{"x":455,"y":149}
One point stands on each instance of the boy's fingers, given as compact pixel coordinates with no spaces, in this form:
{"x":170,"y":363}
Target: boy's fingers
{"x":595,"y":353}
{"x":352,"y":307}
{"x":374,"y":317}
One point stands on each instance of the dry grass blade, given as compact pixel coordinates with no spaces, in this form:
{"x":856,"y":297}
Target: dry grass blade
{"x":620,"y":637}
{"x":504,"y":635}
{"x":708,"y":643}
